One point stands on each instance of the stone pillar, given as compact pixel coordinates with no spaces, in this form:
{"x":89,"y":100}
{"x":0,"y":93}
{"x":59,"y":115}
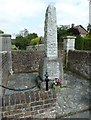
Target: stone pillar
{"x":51,"y":63}
{"x":6,"y":47}
{"x":90,"y":12}
{"x":50,"y":31}
{"x":69,"y":44}
{"x":5,"y":59}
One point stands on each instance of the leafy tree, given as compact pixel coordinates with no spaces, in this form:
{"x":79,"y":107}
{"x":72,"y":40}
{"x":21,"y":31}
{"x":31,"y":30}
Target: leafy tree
{"x":24,"y":32}
{"x":35,"y":41}
{"x":1,"y":32}
{"x":23,"y":40}
{"x":20,"y":42}
{"x":31,"y":36}
{"x":89,"y":28}
{"x":62,"y":31}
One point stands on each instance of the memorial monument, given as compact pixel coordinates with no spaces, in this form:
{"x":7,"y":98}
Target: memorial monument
{"x":51,"y":63}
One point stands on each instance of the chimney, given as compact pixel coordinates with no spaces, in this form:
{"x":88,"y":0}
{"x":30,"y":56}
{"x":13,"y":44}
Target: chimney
{"x":72,"y":25}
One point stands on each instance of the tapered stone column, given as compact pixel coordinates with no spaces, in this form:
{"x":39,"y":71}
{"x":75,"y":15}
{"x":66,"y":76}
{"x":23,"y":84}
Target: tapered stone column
{"x":51,"y":63}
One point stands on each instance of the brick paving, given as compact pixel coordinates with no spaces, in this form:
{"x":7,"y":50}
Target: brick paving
{"x":73,"y":100}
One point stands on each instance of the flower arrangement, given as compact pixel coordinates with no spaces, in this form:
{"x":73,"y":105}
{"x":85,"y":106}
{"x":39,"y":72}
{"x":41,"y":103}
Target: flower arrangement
{"x":57,"y":83}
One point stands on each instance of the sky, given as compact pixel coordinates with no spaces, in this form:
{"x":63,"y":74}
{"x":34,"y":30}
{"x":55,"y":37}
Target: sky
{"x":16,"y":15}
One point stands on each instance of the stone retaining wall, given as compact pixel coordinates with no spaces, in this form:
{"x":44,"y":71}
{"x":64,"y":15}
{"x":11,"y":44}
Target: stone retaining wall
{"x":26,"y":61}
{"x":80,"y":62}
{"x":27,"y":104}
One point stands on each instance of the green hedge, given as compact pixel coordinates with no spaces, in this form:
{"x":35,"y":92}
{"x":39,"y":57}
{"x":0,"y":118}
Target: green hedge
{"x":79,"y":43}
{"x":83,"y":43}
{"x":87,"y":44}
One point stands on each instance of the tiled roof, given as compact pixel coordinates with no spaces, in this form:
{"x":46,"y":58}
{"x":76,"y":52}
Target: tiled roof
{"x":81,"y":29}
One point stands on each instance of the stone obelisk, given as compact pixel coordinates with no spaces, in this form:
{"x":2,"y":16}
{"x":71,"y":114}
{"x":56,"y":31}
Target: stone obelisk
{"x":51,"y":63}
{"x":50,"y":33}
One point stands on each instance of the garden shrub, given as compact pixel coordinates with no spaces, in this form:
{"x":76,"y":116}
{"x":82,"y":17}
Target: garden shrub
{"x":14,"y":47}
{"x":79,"y":42}
{"x":35,"y":41}
{"x":87,"y":44}
{"x":83,"y":43}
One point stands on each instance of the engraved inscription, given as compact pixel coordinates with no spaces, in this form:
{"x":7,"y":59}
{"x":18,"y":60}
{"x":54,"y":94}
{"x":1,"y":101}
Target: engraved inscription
{"x":53,"y":69}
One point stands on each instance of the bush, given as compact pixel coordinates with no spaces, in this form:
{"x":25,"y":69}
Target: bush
{"x":79,"y":43}
{"x":14,"y":47}
{"x":35,"y":41}
{"x":23,"y":41}
{"x":87,"y":44}
{"x":83,"y":43}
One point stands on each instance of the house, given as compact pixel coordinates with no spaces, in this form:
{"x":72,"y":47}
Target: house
{"x":78,"y":30}
{"x":81,"y":30}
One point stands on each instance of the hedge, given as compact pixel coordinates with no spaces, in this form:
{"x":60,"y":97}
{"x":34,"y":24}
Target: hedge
{"x":83,"y":43}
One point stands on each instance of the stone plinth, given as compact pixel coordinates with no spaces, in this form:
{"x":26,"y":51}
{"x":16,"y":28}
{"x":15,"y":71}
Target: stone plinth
{"x":53,"y":67}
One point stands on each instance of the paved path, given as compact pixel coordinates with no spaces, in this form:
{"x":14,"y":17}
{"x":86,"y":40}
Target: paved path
{"x":73,"y":100}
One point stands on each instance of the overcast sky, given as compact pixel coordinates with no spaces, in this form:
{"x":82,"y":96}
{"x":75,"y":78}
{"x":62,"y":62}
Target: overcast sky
{"x":15,"y":15}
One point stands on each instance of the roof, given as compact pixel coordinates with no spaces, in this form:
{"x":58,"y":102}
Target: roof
{"x":81,"y":29}
{"x":74,"y":31}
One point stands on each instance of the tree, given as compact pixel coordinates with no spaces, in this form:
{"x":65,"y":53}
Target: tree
{"x":35,"y":41}
{"x":89,"y":28}
{"x":20,"y":42}
{"x":62,"y":31}
{"x":23,"y":40}
{"x":24,"y":32}
{"x":1,"y":32}
{"x":31,"y":36}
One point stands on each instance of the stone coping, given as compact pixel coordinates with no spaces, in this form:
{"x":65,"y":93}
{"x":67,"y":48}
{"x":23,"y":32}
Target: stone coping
{"x":5,"y":35}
